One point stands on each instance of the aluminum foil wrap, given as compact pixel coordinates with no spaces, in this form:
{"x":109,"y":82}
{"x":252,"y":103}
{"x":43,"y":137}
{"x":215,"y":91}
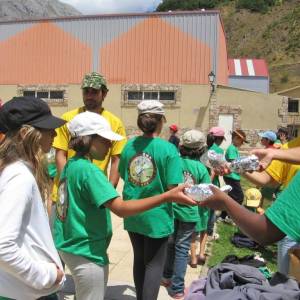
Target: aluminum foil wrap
{"x":245,"y":164}
{"x":198,"y":192}
{"x":202,"y":191}
{"x":214,"y":160}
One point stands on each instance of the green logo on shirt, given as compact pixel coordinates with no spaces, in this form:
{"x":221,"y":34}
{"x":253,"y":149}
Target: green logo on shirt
{"x":62,"y":202}
{"x":141,"y":169}
{"x":188,"y":178}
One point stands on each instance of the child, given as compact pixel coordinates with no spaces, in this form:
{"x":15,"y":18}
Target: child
{"x":82,"y":227}
{"x":268,"y":139}
{"x":233,"y":179}
{"x":214,"y":139}
{"x":174,"y":139}
{"x":149,"y":166}
{"x":185,"y":217}
{"x":29,"y":263}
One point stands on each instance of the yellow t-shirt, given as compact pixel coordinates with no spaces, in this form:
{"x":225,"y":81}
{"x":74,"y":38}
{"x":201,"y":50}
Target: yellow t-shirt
{"x":62,"y":139}
{"x":283,"y":172}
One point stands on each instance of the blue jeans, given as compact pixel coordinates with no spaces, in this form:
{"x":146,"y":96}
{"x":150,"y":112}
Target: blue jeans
{"x":177,"y":254}
{"x":283,"y":259}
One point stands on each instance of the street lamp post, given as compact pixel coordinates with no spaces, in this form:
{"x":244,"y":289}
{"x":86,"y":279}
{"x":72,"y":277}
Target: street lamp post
{"x":211,"y":78}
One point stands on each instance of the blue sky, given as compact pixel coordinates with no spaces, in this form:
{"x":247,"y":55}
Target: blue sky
{"x":113,"y":6}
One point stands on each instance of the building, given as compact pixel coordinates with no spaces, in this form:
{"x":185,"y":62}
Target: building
{"x":249,"y":74}
{"x":292,"y":96}
{"x":163,"y":56}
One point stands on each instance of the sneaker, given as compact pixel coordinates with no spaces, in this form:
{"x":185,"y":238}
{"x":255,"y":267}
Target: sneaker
{"x":218,"y":213}
{"x":213,"y":237}
{"x":228,"y":220}
{"x":220,"y":220}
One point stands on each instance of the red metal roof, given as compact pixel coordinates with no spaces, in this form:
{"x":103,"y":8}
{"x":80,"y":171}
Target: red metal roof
{"x":247,"y":67}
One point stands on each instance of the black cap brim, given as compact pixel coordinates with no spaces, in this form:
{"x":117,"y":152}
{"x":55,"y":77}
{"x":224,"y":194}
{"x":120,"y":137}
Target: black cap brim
{"x":48,"y":122}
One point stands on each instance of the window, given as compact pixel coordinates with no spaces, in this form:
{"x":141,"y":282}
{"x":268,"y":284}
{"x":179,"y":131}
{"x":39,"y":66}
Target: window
{"x":149,"y":95}
{"x":135,"y":95}
{"x":293,"y":131}
{"x":56,"y":94}
{"x":43,"y":95}
{"x":53,"y":95}
{"x":293,"y":106}
{"x":29,"y":93}
{"x":169,"y":94}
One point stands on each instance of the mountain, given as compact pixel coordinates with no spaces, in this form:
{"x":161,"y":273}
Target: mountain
{"x":29,"y":9}
{"x":272,"y":34}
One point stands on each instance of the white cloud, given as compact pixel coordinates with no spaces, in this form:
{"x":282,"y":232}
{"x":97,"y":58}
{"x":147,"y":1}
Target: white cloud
{"x":113,"y":6}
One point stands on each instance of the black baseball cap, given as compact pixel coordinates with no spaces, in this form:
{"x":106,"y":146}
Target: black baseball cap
{"x":27,"y":110}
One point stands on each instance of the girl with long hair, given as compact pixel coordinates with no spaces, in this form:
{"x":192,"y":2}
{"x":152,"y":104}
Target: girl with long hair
{"x":29,"y":263}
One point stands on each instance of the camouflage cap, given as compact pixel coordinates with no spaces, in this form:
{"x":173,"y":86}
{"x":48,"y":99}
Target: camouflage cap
{"x":93,"y":80}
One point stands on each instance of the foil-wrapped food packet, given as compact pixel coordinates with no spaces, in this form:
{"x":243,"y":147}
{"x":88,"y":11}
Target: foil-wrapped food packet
{"x":214,"y":160}
{"x":244,"y":164}
{"x":202,"y":191}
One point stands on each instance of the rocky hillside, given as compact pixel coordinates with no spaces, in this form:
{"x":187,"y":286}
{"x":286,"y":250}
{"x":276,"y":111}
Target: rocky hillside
{"x":26,"y":9}
{"x":272,"y":33}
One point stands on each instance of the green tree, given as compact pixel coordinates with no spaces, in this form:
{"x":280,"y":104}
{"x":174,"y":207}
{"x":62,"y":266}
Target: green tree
{"x":256,"y":5}
{"x":186,"y":4}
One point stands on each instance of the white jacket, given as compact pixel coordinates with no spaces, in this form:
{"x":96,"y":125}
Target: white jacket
{"x":28,"y":257}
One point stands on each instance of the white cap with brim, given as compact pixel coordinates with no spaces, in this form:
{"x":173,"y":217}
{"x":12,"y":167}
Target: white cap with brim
{"x":193,"y":139}
{"x":151,"y":107}
{"x":89,"y":123}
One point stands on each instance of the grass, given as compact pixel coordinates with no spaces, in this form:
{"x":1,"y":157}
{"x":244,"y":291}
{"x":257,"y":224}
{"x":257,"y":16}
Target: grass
{"x":223,"y":247}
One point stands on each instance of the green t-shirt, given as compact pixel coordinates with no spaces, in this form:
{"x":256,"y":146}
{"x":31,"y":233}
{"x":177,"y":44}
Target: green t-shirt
{"x":285,"y":211}
{"x":232,"y":153}
{"x":52,"y":171}
{"x":218,"y":150}
{"x":148,"y":166}
{"x":83,"y":225}
{"x":194,"y":172}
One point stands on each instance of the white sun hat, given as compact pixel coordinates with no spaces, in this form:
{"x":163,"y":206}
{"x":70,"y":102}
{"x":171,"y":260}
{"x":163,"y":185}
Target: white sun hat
{"x":151,"y":106}
{"x":88,"y":123}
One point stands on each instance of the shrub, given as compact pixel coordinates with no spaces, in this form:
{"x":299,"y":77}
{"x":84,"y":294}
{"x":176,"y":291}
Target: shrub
{"x":261,"y":6}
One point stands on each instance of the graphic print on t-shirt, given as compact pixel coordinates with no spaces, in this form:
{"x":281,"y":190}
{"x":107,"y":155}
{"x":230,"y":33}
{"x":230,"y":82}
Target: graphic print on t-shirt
{"x":141,"y":169}
{"x":62,"y":202}
{"x":188,"y":178}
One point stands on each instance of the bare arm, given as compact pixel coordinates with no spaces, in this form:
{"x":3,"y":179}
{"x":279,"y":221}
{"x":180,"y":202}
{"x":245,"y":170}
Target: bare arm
{"x":256,"y":226}
{"x":131,"y":207}
{"x":212,"y":175}
{"x":114,"y":175}
{"x":261,"y":179}
{"x":291,"y":155}
{"x":50,"y":201}
{"x":265,"y":156}
{"x":60,"y":159}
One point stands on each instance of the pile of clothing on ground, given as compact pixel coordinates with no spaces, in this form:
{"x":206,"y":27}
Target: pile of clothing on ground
{"x":243,"y":279}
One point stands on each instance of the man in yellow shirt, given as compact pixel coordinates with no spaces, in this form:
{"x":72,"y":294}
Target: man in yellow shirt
{"x":94,"y":90}
{"x":279,"y":174}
